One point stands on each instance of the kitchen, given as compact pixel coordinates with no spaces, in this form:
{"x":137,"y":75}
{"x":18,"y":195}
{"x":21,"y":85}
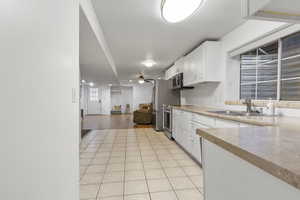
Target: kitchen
{"x":232,"y":104}
{"x":248,"y":136}
{"x":150,"y":100}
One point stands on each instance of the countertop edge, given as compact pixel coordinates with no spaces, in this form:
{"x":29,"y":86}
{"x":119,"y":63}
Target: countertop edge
{"x":265,"y":165}
{"x":219,"y":116}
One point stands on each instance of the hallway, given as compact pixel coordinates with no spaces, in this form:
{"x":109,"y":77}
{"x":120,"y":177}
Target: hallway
{"x":102,"y":122}
{"x":136,"y":164}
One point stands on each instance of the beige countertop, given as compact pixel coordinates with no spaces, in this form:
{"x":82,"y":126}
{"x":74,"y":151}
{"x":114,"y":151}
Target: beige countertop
{"x":275,"y":150}
{"x":254,"y":120}
{"x":273,"y":145}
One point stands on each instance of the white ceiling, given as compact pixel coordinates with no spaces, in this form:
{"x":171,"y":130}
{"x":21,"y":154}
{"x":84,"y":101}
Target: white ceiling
{"x":93,"y":63}
{"x":135,"y":31}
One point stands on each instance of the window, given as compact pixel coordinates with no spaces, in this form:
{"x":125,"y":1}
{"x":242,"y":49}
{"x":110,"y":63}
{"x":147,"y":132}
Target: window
{"x":263,"y":77}
{"x":290,"y":68}
{"x":94,"y":94}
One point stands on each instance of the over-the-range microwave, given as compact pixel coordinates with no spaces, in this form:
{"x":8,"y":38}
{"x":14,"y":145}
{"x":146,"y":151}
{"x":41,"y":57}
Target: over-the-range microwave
{"x":177,"y":82}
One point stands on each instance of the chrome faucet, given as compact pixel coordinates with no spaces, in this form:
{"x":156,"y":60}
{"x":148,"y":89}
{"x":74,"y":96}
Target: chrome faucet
{"x":248,"y":103}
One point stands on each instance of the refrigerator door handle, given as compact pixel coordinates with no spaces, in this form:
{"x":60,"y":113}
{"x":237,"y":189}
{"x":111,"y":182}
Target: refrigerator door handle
{"x":163,"y":117}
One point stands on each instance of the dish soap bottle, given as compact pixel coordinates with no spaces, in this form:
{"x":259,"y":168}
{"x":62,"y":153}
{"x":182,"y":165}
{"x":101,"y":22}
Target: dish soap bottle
{"x":270,"y":108}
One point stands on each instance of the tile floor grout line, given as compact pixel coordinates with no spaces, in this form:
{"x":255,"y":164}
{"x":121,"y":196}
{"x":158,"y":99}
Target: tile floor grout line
{"x":125,"y":167}
{"x":119,"y":141}
{"x":106,"y":165}
{"x":173,"y":189}
{"x":146,"y":179}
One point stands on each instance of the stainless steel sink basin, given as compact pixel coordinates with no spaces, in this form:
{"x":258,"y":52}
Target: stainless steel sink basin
{"x":235,"y":113}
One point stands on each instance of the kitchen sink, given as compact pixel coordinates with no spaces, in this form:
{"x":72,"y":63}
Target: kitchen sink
{"x":235,"y":113}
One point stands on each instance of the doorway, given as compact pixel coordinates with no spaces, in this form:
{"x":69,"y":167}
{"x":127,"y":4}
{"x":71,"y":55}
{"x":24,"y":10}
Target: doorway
{"x":94,"y":106}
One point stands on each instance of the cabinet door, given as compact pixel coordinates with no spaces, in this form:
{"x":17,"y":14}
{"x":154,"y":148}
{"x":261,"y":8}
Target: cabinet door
{"x":199,"y":64}
{"x":174,"y":127}
{"x":197,"y":146}
{"x":186,"y":126}
{"x":179,"y":128}
{"x":186,"y":75}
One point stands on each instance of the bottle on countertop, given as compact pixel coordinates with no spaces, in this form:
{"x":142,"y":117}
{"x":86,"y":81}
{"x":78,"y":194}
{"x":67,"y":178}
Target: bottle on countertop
{"x":270,"y":108}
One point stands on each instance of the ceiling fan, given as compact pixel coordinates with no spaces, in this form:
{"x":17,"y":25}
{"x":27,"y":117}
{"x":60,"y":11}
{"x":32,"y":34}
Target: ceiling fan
{"x":141,"y":79}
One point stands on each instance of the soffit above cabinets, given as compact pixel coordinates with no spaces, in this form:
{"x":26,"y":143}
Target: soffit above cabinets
{"x":274,"y":10}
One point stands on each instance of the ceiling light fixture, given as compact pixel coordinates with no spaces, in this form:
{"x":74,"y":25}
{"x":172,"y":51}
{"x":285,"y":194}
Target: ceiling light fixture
{"x":91,"y":84}
{"x":149,"y":63}
{"x":141,"y":79}
{"x":83,"y":81}
{"x":174,"y":11}
{"x":130,"y":81}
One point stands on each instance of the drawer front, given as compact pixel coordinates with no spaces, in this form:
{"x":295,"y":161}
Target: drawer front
{"x":226,"y":124}
{"x":207,"y":121}
{"x":245,"y":125}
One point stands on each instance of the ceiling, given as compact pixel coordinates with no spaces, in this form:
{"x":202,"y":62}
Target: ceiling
{"x":135,"y":31}
{"x":93,"y":63}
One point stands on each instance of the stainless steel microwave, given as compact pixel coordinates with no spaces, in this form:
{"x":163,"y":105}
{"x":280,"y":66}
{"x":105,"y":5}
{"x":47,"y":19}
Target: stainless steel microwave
{"x":177,"y":81}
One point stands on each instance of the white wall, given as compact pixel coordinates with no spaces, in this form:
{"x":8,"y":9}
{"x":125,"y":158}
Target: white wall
{"x":212,"y":94}
{"x":134,"y":95}
{"x":125,"y":96}
{"x":84,"y":98}
{"x":105,"y":99}
{"x":39,"y":146}
{"x":104,"y":96}
{"x":142,"y":93}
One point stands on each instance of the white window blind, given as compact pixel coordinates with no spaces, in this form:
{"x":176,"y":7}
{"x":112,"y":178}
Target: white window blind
{"x":259,"y":73}
{"x":272,"y":71}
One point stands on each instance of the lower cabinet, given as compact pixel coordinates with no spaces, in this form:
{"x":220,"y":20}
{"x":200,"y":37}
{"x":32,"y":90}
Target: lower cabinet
{"x":185,"y":125}
{"x":196,"y":145}
{"x":184,"y":133}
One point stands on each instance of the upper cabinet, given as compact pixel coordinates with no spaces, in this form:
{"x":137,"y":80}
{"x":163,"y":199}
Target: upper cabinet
{"x":172,"y":71}
{"x":203,"y":64}
{"x":175,"y":69}
{"x":199,"y":66}
{"x":275,"y":10}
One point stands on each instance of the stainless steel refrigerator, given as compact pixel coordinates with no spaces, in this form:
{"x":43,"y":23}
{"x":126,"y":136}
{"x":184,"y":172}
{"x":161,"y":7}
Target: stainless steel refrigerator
{"x":163,"y":95}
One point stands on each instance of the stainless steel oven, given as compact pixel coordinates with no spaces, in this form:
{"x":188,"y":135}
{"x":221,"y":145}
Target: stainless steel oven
{"x":167,"y":120}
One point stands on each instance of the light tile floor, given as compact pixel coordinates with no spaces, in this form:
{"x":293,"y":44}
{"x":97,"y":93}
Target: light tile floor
{"x":136,"y":164}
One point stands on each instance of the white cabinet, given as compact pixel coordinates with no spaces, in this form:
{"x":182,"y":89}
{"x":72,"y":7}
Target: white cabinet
{"x":275,"y":10}
{"x":184,"y":133}
{"x":172,"y":71}
{"x":185,"y":125}
{"x":177,"y":68}
{"x":175,"y":116}
{"x":226,"y":124}
{"x":189,"y":72}
{"x":203,"y":64}
{"x":180,"y":65}
{"x":196,"y":145}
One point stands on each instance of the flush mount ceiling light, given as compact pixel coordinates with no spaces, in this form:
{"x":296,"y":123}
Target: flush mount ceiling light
{"x":91,"y":84}
{"x":149,"y":63}
{"x":174,"y":11}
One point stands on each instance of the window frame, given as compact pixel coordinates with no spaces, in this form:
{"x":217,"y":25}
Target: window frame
{"x":279,"y":71}
{"x":93,"y":94}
